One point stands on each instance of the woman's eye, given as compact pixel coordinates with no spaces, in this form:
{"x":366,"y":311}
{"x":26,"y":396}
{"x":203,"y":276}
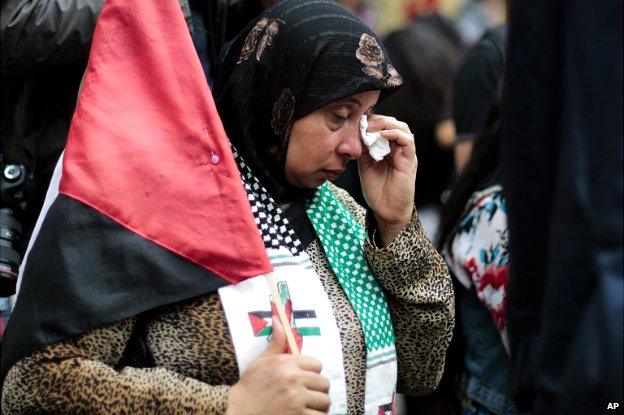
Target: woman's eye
{"x":340,"y":117}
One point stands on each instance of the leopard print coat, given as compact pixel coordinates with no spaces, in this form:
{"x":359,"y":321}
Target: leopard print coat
{"x":194,"y":358}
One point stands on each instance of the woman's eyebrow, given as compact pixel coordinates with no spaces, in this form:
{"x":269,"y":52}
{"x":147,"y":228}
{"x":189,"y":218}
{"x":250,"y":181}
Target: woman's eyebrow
{"x":353,"y":102}
{"x":349,"y":100}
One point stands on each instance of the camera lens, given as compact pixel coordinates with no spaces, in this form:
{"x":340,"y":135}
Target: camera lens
{"x":10,"y":232}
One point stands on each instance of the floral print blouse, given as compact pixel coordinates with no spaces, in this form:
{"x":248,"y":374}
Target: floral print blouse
{"x":478,"y":252}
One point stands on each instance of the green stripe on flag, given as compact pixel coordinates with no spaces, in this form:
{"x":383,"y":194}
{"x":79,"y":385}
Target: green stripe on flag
{"x":304,"y":331}
{"x":309,"y":331}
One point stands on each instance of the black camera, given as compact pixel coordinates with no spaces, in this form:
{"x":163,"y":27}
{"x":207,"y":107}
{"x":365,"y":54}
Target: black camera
{"x":13,"y":180}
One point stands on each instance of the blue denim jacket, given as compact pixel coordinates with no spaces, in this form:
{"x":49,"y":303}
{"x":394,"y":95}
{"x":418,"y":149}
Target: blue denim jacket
{"x":485,"y":358}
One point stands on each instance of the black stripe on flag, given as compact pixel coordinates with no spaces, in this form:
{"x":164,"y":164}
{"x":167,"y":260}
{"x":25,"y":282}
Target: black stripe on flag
{"x":297,"y":314}
{"x":86,"y":270}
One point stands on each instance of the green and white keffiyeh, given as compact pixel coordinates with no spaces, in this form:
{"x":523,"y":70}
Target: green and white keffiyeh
{"x":343,"y":240}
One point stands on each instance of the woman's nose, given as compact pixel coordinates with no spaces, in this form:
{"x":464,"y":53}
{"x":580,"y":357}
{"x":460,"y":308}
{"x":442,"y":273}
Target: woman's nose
{"x":351,"y":143}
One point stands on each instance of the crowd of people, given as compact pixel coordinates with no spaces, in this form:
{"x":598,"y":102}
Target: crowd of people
{"x":193,"y":222}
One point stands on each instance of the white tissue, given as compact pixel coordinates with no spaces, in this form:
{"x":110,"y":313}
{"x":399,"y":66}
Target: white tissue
{"x":378,"y":146}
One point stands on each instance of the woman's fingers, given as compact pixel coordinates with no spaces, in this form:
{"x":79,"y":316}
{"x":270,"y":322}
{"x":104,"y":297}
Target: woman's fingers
{"x":381,"y":122}
{"x":402,"y":139}
{"x":313,"y":412}
{"x":395,"y":131}
{"x":276,"y":380}
{"x":318,"y":401}
{"x":309,"y":364}
{"x":316,"y":382}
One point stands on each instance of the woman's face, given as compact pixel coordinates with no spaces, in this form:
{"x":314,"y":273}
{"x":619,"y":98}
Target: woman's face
{"x":322,"y":142}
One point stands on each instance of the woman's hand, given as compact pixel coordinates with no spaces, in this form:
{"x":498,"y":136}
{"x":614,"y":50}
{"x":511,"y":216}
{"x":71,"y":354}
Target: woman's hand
{"x":388,"y":185}
{"x":279,"y":383}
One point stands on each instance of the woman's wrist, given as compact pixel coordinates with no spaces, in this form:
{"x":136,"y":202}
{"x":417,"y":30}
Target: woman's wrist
{"x":389,"y":230}
{"x":232,"y":400}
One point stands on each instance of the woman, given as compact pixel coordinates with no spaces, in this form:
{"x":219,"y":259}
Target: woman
{"x":292,"y":89}
{"x":474,"y":242}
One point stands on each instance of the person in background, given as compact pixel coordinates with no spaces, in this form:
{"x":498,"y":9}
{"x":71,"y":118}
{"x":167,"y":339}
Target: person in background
{"x":428,"y":53}
{"x":473,"y":239}
{"x":477,"y":16}
{"x":45,"y":45}
{"x":217,"y":22}
{"x":474,"y":89}
{"x":563,"y":177}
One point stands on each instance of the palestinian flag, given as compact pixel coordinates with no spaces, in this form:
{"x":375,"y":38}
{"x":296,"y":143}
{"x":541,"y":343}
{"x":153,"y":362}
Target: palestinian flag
{"x":149,"y":206}
{"x":302,"y":322}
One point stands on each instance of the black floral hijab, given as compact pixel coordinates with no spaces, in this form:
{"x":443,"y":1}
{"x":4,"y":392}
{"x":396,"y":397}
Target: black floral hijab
{"x":296,"y":57}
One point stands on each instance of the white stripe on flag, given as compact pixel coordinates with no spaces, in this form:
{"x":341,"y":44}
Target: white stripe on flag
{"x":53,"y":191}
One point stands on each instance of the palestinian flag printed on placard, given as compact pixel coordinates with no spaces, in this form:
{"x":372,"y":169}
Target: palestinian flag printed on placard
{"x":147,"y":207}
{"x":302,"y":322}
{"x":248,"y":307}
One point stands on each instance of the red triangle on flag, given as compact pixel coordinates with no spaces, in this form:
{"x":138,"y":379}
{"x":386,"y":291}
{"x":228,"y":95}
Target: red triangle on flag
{"x":257,"y":323}
{"x":147,"y":148}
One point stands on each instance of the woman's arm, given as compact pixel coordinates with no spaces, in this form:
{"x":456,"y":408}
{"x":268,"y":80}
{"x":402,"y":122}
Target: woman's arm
{"x":418,"y":287}
{"x":77,"y":376}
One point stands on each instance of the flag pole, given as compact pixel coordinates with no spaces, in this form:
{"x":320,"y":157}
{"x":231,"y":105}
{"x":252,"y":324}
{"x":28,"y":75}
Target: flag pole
{"x":279,"y":306}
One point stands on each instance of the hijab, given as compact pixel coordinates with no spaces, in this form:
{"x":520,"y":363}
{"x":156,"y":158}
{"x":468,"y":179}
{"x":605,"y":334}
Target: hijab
{"x":293,"y":59}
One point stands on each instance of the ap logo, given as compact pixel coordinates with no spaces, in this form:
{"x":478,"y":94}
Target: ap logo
{"x":613,"y":405}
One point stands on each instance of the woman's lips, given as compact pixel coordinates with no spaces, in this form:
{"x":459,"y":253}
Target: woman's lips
{"x":332,"y":174}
